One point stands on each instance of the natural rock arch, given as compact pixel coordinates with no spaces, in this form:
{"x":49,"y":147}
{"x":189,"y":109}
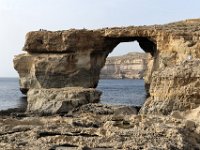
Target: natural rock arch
{"x":146,"y":44}
{"x":74,"y":58}
{"x":69,"y":58}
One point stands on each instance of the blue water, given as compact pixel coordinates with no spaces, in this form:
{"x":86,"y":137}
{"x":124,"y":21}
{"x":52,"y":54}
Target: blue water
{"x":10,"y":96}
{"x":127,"y":92}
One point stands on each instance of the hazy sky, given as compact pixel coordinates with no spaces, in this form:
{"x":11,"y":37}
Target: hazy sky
{"x":17,"y":17}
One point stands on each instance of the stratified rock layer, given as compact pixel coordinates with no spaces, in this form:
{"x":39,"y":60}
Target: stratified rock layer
{"x":74,"y":58}
{"x":54,"y":101}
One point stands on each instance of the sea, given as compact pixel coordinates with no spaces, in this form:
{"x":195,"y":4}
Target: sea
{"x":115,"y":92}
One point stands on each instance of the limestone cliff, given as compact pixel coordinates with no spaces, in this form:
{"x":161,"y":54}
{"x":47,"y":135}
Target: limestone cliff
{"x":131,"y":66}
{"x":74,"y":58}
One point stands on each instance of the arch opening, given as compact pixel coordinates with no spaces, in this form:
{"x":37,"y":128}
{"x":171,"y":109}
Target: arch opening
{"x":124,"y":48}
{"x":121,"y":78}
{"x":146,"y":44}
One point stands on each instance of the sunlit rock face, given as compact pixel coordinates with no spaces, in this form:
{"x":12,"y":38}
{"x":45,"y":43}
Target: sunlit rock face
{"x":74,"y":58}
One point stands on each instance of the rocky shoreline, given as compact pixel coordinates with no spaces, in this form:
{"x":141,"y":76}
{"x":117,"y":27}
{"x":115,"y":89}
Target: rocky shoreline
{"x":98,"y":126}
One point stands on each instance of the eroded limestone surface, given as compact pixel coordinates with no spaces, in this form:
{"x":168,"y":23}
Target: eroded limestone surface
{"x":96,"y":126}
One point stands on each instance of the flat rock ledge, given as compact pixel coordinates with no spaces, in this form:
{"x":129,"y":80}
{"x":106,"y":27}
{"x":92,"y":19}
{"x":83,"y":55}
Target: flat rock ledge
{"x":59,"y":100}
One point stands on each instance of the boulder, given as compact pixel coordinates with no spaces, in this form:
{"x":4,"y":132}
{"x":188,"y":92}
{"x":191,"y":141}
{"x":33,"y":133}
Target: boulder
{"x":53,"y":101}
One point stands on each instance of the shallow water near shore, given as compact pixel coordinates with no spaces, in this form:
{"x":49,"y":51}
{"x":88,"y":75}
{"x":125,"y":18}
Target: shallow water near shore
{"x":116,"y":92}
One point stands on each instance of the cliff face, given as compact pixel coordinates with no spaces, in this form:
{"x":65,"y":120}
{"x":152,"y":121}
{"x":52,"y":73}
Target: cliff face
{"x":131,"y":65}
{"x":74,"y":58}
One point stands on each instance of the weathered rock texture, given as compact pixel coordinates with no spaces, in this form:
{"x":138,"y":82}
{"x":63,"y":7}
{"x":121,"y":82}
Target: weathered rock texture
{"x":54,"y":101}
{"x":95,"y":127}
{"x":174,"y":88}
{"x":75,"y":57}
{"x":131,"y":66}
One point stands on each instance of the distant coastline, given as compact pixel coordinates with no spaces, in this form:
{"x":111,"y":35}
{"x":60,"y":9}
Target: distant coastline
{"x":129,"y":66}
